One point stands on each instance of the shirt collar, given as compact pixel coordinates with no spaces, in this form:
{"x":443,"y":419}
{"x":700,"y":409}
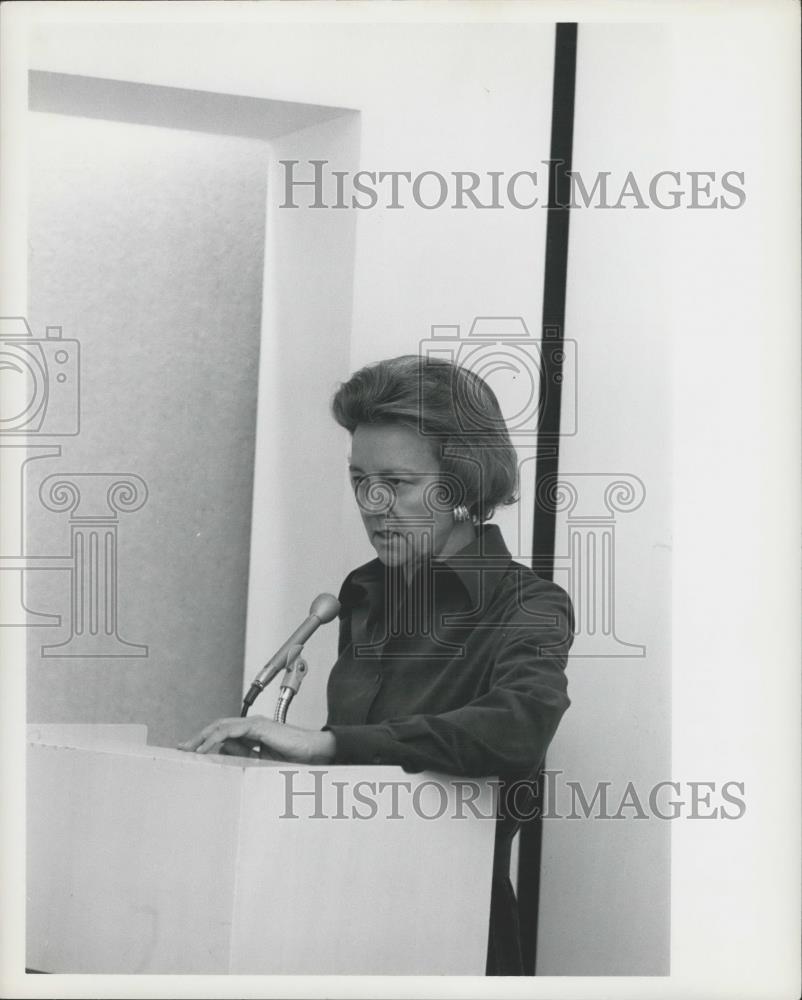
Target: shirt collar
{"x":483,"y":559}
{"x":477,"y":568}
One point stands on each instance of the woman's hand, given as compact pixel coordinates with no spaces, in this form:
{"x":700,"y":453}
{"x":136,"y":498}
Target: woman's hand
{"x":305,"y":746}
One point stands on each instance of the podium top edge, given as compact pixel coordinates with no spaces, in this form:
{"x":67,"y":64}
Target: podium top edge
{"x":373,"y":772}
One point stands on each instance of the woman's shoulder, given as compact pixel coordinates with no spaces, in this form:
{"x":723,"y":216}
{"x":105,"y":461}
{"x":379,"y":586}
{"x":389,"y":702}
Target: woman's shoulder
{"x":524,"y":593}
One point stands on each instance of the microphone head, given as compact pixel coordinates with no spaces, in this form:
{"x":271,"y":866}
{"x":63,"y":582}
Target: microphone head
{"x":326,"y":607}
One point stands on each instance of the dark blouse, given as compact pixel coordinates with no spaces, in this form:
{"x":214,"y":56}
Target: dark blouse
{"x":462,"y":672}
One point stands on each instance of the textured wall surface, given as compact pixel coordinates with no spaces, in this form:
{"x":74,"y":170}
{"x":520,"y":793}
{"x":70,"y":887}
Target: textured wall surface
{"x":147,"y":245}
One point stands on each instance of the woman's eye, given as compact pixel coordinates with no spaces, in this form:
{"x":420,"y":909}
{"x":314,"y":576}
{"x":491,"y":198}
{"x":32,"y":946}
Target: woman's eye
{"x":358,"y":482}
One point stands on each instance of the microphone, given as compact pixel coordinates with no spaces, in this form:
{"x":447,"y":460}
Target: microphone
{"x":325,"y":608}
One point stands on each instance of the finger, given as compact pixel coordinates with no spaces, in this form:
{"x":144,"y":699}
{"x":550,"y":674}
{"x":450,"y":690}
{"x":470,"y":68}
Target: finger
{"x":221,"y":732}
{"x":212,"y":735}
{"x":192,"y":742}
{"x":195,"y":741}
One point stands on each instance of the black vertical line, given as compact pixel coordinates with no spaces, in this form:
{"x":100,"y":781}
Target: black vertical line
{"x":548,"y":441}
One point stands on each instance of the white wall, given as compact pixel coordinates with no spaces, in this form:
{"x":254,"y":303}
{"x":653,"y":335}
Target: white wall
{"x":605,"y":883}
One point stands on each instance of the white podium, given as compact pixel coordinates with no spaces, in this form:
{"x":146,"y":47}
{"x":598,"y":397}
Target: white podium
{"x":146,"y":859}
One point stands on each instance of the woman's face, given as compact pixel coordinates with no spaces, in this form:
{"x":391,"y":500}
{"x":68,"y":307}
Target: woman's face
{"x":405,"y":504}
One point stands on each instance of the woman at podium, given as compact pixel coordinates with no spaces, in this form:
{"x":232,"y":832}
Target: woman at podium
{"x":451,"y":653}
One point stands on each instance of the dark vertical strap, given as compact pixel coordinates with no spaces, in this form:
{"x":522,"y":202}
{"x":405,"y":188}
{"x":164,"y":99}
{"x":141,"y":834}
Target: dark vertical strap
{"x":548,"y":445}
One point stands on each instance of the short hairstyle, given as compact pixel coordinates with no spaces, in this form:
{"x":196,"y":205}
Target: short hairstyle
{"x":452,"y":405}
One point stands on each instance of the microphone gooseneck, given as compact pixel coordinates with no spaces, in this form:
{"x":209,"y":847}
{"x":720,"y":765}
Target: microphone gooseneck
{"x":325,"y":608}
